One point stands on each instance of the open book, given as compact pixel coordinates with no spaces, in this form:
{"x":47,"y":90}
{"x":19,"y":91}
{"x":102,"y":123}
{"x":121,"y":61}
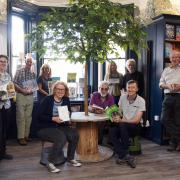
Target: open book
{"x":97,"y":107}
{"x":63,"y":113}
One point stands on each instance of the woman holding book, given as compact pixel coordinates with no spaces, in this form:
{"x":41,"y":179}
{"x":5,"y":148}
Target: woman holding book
{"x":5,"y":105}
{"x":115,"y":80}
{"x":44,"y":77}
{"x":54,"y":129}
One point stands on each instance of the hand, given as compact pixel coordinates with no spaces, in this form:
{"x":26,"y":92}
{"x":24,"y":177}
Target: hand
{"x":99,"y":111}
{"x":116,"y":119}
{"x":57,"y":119}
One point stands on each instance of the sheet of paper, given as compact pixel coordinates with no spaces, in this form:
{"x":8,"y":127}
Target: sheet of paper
{"x":114,"y":80}
{"x":63,"y":113}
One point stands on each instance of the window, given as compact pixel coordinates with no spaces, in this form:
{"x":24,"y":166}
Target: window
{"x":17,"y":37}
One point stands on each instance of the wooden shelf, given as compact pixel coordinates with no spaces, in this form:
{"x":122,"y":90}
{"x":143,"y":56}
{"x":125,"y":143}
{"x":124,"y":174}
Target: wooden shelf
{"x":172,"y":40}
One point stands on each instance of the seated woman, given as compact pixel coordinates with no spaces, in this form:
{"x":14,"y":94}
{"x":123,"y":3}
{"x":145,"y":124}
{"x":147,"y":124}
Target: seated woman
{"x":98,"y":103}
{"x":54,"y":129}
{"x":44,"y":77}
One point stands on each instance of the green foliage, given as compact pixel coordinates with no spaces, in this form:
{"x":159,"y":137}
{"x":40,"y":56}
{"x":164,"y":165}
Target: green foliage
{"x":87,"y":29}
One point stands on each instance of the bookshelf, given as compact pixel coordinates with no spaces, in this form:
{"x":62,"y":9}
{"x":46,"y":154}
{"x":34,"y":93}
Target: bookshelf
{"x":163,"y":34}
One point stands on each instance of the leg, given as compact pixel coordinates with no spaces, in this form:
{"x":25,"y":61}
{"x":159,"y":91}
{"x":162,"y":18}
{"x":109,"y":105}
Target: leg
{"x":28,"y":115}
{"x":72,"y":138}
{"x":2,"y":135}
{"x":20,"y":116}
{"x":57,"y":137}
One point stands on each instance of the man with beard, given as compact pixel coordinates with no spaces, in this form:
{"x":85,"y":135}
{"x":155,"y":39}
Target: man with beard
{"x":99,"y":102}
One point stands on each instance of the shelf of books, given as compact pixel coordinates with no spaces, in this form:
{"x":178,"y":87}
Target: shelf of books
{"x":172,"y":41}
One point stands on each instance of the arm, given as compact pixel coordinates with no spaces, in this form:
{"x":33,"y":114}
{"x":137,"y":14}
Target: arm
{"x":41,"y":89}
{"x":134,"y":120}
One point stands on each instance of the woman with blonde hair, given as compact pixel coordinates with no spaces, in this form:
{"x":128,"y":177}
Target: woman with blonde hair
{"x":115,"y":80}
{"x":44,"y":77}
{"x":54,"y":129}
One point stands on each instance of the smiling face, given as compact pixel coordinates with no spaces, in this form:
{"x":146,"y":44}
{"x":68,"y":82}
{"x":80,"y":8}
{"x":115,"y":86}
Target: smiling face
{"x":175,"y":59}
{"x":28,"y":63}
{"x":3,"y":64}
{"x":131,"y":66}
{"x":103,"y":89}
{"x":132,"y":89}
{"x":59,"y":91}
{"x":113,"y":67}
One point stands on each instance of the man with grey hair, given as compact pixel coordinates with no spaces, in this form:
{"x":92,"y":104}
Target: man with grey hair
{"x":99,"y":102}
{"x":133,"y":74}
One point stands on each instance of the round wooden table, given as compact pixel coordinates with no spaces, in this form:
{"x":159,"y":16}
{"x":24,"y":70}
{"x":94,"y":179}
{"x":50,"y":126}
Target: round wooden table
{"x":88,"y":149}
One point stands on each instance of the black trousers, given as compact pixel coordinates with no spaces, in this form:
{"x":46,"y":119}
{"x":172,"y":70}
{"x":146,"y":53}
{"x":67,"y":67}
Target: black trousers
{"x":170,"y":115}
{"x":59,"y":136}
{"x":4,"y":122}
{"x":119,"y":137}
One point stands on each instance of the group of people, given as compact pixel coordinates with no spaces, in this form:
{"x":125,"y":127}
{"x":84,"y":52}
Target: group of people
{"x":125,"y":91}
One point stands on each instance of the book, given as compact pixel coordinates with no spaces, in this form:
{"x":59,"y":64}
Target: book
{"x":178,"y":32}
{"x":113,"y":111}
{"x":170,"y":31}
{"x":71,"y":77}
{"x":7,"y":91}
{"x":30,"y":84}
{"x":97,"y":107}
{"x":63,"y":113}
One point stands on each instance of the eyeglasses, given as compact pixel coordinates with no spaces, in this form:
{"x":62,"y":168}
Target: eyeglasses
{"x":104,"y":89}
{"x":3,"y":61}
{"x":58,"y":89}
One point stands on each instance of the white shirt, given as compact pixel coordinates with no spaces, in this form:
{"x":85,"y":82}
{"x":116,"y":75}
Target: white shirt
{"x":131,"y":110}
{"x":170,"y":75}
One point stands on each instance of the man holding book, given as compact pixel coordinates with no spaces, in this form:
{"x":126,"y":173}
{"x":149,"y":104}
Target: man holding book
{"x":99,"y":102}
{"x":132,"y":107}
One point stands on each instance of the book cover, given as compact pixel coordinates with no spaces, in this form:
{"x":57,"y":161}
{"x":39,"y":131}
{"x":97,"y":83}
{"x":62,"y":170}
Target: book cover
{"x":71,"y":77}
{"x":168,"y":49}
{"x":113,"y":111}
{"x":63,"y":113}
{"x":178,"y":32}
{"x":170,"y":31}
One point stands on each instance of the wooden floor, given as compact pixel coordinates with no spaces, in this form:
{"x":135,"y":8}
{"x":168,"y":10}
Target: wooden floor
{"x":154,"y":163}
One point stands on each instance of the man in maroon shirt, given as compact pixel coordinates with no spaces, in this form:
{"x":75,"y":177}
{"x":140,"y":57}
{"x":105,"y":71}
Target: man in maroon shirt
{"x":98,"y":103}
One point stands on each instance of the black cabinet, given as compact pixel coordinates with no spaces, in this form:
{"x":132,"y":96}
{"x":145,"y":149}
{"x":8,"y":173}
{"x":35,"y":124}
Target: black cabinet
{"x":163,"y":37}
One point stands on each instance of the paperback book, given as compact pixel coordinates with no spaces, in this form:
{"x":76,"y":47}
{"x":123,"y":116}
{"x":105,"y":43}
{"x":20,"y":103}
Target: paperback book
{"x":113,"y":111}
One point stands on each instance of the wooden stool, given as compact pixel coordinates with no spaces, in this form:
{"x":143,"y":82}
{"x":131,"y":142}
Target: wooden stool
{"x":45,"y":154}
{"x":135,"y":146}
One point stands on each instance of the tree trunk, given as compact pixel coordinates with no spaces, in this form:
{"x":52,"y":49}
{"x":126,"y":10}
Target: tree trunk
{"x":86,"y":90}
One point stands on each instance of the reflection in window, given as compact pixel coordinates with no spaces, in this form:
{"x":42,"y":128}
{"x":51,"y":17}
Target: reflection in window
{"x":17,"y":42}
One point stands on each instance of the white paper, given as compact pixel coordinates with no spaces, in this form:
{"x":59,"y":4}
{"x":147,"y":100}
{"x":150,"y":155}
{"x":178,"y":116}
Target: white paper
{"x":114,"y":81}
{"x":63,"y":113}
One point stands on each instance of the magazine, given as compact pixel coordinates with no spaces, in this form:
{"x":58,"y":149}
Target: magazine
{"x":63,"y":113}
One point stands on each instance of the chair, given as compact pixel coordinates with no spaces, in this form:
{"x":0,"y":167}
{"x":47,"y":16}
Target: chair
{"x":135,"y":146}
{"x":45,"y":153}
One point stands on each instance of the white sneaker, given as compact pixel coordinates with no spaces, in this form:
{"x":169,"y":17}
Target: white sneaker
{"x":75,"y":163}
{"x":52,"y":168}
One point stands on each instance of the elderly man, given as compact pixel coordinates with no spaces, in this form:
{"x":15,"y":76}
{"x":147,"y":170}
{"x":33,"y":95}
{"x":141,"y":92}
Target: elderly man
{"x":24,"y":80}
{"x":170,"y":116}
{"x":132,"y":107}
{"x":99,"y":102}
{"x":133,"y":74}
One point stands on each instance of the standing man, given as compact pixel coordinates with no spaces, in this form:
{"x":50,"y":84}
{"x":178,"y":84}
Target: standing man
{"x":170,"y":115}
{"x":23,"y":81}
{"x":132,"y":107}
{"x":133,"y":74}
{"x":5,"y":105}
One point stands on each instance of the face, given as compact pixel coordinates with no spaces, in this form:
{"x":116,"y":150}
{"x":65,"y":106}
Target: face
{"x":59,"y":91}
{"x":104,"y":90}
{"x":28,"y":63}
{"x":113,"y":67}
{"x":3,"y":64}
{"x":46,"y":70}
{"x":175,"y":60}
{"x":131,"y":67}
{"x":132,"y":89}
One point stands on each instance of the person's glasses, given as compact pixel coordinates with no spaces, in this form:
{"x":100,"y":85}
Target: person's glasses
{"x":58,"y":89}
{"x":3,"y":61}
{"x":104,"y":89}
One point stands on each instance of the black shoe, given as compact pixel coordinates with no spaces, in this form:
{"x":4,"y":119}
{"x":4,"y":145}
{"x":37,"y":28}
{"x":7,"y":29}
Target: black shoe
{"x":7,"y":157}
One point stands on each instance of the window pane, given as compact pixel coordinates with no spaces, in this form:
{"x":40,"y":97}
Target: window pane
{"x":17,"y":42}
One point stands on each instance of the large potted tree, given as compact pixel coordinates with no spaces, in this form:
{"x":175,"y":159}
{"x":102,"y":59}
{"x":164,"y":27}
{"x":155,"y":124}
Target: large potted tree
{"x":87,"y":30}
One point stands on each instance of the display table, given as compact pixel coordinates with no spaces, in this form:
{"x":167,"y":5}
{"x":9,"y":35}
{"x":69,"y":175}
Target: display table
{"x":88,"y":149}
